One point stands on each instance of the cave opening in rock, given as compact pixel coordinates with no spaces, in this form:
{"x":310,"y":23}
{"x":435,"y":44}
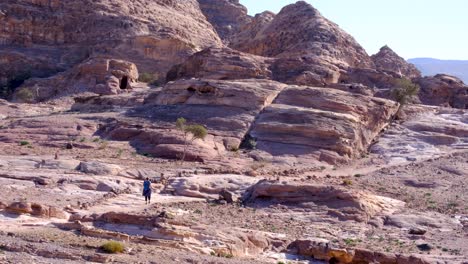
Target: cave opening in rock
{"x":124,"y":82}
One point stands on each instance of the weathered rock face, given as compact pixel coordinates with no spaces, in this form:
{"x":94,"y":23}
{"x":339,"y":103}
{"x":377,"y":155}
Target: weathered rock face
{"x":229,"y":64}
{"x":100,"y":76}
{"x":222,"y":64}
{"x":36,"y":210}
{"x":344,"y":204}
{"x":387,"y":60}
{"x":226,"y":108}
{"x":155,"y":35}
{"x":328,"y":124}
{"x":300,"y":35}
{"x":325,"y":250}
{"x":227,"y":16}
{"x":443,"y":90}
{"x":250,"y":30}
{"x":370,"y":77}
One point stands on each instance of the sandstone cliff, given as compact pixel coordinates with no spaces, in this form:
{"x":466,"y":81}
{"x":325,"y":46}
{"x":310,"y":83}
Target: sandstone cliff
{"x":55,"y":35}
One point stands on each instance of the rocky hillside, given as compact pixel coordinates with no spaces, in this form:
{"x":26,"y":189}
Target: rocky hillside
{"x":293,"y":148}
{"x":41,"y":38}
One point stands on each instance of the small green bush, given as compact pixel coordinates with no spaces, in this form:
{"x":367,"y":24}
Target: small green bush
{"x":234,"y":148}
{"x":249,"y":143}
{"x":25,"y":95}
{"x":404,"y":90}
{"x":24,"y":143}
{"x":347,"y":182}
{"x":113,"y":247}
{"x":146,"y":77}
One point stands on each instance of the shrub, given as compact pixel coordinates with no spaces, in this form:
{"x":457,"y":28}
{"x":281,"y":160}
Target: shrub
{"x":113,"y":247}
{"x":24,"y":143}
{"x":148,"y":78}
{"x":25,"y":95}
{"x":6,"y":89}
{"x":234,"y":148}
{"x":404,"y":90}
{"x":347,"y":182}
{"x":249,"y":143}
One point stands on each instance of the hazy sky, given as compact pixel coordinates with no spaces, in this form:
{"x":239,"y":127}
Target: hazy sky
{"x":412,"y":28}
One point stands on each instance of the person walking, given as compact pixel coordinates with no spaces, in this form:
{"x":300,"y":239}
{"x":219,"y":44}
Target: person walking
{"x":147,"y":190}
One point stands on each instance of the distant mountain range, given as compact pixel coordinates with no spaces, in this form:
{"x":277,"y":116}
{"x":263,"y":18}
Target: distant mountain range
{"x":428,"y":66}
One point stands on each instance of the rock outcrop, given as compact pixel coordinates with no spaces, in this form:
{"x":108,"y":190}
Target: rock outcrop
{"x":98,"y":75}
{"x":222,"y":64}
{"x":443,"y":90}
{"x":36,"y":210}
{"x":226,"y":108}
{"x":342,"y":203}
{"x":328,"y":124}
{"x":325,"y":250}
{"x":301,"y":37}
{"x":387,"y":60}
{"x":54,"y":35}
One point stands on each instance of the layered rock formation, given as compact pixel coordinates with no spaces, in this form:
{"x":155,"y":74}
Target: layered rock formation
{"x":222,"y":64}
{"x":226,"y":108}
{"x":56,"y":35}
{"x":299,"y":35}
{"x":97,"y":75}
{"x":387,"y":60}
{"x":443,"y":90}
{"x":327,"y":124}
{"x":360,"y":206}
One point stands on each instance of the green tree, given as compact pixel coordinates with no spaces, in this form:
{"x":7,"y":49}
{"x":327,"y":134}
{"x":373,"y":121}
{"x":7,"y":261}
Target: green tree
{"x":404,"y":89}
{"x":191,"y":133}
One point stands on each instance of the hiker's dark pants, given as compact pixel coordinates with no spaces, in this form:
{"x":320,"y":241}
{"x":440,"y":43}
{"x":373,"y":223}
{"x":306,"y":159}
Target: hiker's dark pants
{"x":147,"y":194}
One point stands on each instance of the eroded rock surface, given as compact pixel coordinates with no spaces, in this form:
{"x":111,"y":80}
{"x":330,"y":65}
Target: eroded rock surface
{"x":387,"y":60}
{"x":328,"y":124}
{"x":153,"y":35}
{"x":443,"y":90}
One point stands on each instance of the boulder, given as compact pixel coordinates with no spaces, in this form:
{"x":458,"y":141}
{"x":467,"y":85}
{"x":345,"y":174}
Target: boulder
{"x":443,"y":90}
{"x":228,"y":186}
{"x":99,"y":168}
{"x":322,"y":249}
